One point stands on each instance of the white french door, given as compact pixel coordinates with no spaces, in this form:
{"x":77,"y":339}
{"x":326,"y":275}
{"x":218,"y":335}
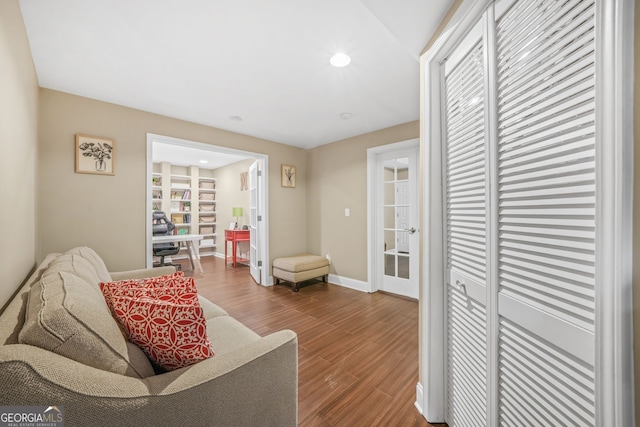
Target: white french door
{"x":524,"y":174}
{"x":395,"y":217}
{"x":255,"y":263}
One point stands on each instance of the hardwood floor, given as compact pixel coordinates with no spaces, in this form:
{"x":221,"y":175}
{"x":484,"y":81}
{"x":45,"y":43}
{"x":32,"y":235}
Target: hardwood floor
{"x":357,"y":352}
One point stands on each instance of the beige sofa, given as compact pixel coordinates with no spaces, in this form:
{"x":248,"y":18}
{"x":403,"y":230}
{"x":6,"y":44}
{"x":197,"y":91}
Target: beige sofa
{"x":59,"y":345}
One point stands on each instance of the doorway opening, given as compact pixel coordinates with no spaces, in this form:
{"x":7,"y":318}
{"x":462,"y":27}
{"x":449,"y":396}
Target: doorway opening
{"x":204,"y":187}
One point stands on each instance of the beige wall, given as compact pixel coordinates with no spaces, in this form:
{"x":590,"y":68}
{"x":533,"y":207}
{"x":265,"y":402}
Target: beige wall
{"x":228,"y":196}
{"x":337,"y":180}
{"x":18,"y":144}
{"x":108,"y":212}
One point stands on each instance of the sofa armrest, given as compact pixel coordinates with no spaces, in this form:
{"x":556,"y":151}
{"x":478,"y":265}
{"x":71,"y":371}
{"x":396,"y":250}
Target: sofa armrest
{"x":142,"y":273}
{"x":253,"y":385}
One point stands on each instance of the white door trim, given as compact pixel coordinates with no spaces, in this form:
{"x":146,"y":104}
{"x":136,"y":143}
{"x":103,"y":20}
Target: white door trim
{"x":614,"y":327}
{"x":374,"y":266}
{"x":614,"y":180}
{"x":264,"y":193}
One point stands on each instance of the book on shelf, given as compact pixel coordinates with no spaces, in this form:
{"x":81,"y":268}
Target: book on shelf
{"x":178,"y":207}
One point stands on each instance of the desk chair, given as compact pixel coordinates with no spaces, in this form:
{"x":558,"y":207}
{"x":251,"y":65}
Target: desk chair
{"x":163,"y":227}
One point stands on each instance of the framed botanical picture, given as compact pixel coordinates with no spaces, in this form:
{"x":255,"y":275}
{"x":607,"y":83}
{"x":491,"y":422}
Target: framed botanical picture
{"x":95,"y":154}
{"x":288,"y":176}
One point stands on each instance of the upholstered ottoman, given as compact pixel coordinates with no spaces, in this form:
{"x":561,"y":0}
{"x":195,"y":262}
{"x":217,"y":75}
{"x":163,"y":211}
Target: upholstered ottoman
{"x":296,"y":269}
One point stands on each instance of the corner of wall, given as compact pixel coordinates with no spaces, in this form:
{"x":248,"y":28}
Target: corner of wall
{"x":19,"y":133}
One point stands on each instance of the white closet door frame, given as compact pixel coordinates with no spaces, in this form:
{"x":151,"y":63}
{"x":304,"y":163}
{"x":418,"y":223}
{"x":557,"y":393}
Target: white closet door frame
{"x":614,"y":160}
{"x":614,"y":148}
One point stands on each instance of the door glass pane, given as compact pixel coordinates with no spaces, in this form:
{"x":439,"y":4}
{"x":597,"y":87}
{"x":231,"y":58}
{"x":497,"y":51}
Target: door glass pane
{"x":403,"y":171}
{"x":389,"y":170}
{"x":389,"y":193}
{"x":403,"y":267}
{"x":389,"y":265}
{"x":389,"y":241}
{"x":402,"y":242}
{"x":389,"y":217}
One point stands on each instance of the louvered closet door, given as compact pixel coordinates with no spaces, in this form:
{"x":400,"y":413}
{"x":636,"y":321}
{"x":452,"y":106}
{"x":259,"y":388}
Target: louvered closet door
{"x":546,"y":221}
{"x":466,"y":234}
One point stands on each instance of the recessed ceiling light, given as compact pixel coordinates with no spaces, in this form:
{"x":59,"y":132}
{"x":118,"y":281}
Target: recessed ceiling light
{"x":236,"y":118}
{"x":204,"y":161}
{"x":340,"y":60}
{"x":346,"y":116}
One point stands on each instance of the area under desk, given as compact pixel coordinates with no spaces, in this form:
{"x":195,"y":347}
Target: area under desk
{"x":190,"y":239}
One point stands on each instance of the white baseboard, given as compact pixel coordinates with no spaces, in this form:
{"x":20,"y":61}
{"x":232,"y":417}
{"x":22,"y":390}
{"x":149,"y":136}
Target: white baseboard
{"x":347,"y":282}
{"x":419,"y":397}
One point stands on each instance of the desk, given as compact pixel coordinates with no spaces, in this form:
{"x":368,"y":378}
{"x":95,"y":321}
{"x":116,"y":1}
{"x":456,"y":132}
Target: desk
{"x":235,"y":236}
{"x":190,"y":239}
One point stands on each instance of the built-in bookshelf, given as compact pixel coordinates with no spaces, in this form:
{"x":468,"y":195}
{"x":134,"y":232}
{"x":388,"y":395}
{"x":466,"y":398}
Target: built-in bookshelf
{"x":187,"y":194}
{"x":180,"y":203}
{"x":207,"y":216}
{"x":156,"y":191}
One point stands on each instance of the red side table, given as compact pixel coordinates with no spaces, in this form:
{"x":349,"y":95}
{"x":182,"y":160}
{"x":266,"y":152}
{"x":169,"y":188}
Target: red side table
{"x":235,"y":236}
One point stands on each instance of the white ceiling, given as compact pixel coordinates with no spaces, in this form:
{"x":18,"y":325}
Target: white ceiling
{"x":187,"y":156}
{"x":267,"y":62}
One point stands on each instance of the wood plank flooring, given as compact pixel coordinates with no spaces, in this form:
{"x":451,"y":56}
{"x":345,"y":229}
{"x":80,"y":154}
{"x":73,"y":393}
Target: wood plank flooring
{"x":357,"y":352}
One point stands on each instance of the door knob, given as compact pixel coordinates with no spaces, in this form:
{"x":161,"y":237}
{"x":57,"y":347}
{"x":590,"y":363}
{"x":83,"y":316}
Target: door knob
{"x":410,"y":230}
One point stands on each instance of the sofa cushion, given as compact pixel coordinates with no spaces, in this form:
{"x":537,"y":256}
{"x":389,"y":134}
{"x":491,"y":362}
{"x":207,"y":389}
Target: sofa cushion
{"x":67,"y":315}
{"x":94,"y":259}
{"x":172,"y":335}
{"x":74,"y":264}
{"x":211,"y":310}
{"x":227,"y":334}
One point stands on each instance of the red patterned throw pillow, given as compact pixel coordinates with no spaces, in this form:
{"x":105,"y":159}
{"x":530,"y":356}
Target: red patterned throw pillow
{"x":173,"y":288}
{"x":176,"y":279}
{"x":172,"y":335}
{"x":162,"y":315}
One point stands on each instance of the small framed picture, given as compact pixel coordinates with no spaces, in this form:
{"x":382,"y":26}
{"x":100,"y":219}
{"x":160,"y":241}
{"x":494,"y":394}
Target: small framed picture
{"x":288,"y":176}
{"x":95,"y":154}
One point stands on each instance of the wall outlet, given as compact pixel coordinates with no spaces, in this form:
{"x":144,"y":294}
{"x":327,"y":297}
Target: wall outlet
{"x":347,"y":212}
{"x":328,"y":257}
